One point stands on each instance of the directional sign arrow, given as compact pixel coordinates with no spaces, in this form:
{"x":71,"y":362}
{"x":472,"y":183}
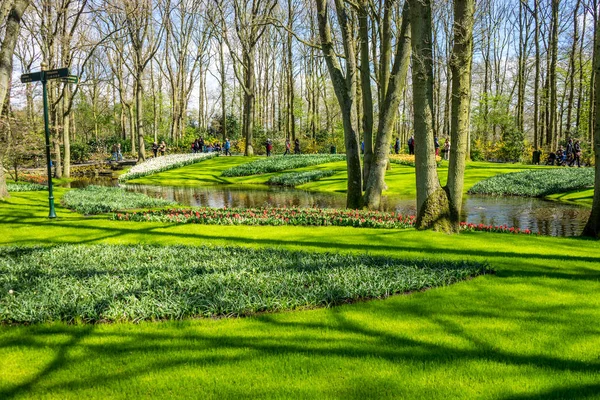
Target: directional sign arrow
{"x":56,"y":73}
{"x":70,"y":79}
{"x":33,"y":77}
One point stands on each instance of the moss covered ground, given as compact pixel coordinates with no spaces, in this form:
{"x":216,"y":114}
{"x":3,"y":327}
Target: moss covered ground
{"x":529,"y":332}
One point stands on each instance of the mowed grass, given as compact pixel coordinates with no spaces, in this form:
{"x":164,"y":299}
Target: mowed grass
{"x":529,"y":332}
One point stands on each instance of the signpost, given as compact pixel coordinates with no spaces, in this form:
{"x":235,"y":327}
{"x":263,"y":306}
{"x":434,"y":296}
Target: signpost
{"x":44,"y":77}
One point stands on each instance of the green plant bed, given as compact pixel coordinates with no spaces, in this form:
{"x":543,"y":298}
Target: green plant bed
{"x":164,"y":163}
{"x":536,"y":183}
{"x":25,"y":187}
{"x":281,"y":163}
{"x":113,"y":283}
{"x":102,"y":199}
{"x":293,"y":179}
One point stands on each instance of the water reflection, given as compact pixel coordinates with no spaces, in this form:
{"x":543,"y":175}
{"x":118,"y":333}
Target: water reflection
{"x":548,"y":218}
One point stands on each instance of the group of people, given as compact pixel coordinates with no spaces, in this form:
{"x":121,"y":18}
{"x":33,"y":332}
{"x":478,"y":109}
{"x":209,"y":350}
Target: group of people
{"x":288,"y":146}
{"x":200,"y":146}
{"x":436,"y":144}
{"x":117,"y":155}
{"x":159,"y":148}
{"x":570,"y":155}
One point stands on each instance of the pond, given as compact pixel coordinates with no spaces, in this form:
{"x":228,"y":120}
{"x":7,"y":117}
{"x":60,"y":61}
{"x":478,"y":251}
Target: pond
{"x":537,"y":215}
{"x":546,"y":217}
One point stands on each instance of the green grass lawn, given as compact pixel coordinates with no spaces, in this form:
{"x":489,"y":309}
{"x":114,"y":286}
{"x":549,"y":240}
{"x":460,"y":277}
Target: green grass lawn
{"x":529,"y":332}
{"x":585,"y":197}
{"x":400,"y":179}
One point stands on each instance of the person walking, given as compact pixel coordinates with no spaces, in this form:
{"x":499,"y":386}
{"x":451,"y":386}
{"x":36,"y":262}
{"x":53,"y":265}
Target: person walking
{"x":397,"y":146}
{"x":119,"y":154}
{"x":436,"y":143}
{"x":162,"y":148}
{"x":446,"y":149}
{"x":577,"y":154}
{"x":268,"y":147}
{"x":297,"y":146}
{"x":227,"y":147}
{"x":155,"y":149}
{"x":113,"y":151}
{"x":570,"y":157}
{"x":287,"y":147}
{"x":411,"y":145}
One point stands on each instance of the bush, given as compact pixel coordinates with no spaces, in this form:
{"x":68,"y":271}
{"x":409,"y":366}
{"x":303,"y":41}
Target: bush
{"x":298,"y":178}
{"x":102,"y":199}
{"x":132,"y":283}
{"x":536,"y":183}
{"x":80,"y":152}
{"x":281,"y":163}
{"x":25,"y":187}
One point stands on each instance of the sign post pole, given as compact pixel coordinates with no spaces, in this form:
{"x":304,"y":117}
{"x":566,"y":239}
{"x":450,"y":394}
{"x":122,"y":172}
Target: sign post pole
{"x":44,"y":76}
{"x":48,"y":160}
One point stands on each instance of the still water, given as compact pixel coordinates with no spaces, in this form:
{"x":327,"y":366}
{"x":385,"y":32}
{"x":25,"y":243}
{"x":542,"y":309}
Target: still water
{"x":546,"y":217}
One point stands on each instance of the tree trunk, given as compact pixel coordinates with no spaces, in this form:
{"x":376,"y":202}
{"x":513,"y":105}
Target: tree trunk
{"x":393,"y":90}
{"x":223,"y":87}
{"x":139,"y":116}
{"x":365,"y":86}
{"x":248,"y":117}
{"x":536,"y":86}
{"x":592,"y":228}
{"x":552,"y":131}
{"x":345,"y":91}
{"x":572,"y":68}
{"x":462,"y":56}
{"x":432,"y":201}
{"x":66,"y":122}
{"x":7,"y":48}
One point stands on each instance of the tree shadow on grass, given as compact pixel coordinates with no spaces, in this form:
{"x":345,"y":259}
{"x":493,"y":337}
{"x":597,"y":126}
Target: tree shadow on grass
{"x":339,"y":335}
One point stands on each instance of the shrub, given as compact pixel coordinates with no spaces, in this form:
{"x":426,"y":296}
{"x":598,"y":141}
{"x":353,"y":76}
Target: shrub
{"x":281,"y":163}
{"x":299,"y":178}
{"x":408,"y":159}
{"x":160,"y":164}
{"x":536,"y":183}
{"x":25,"y":187}
{"x":132,"y":283}
{"x":101,"y":199}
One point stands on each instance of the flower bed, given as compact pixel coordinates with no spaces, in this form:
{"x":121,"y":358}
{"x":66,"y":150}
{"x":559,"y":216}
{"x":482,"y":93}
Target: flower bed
{"x":298,"y":178}
{"x":101,"y":199}
{"x":294,"y":216}
{"x":165,"y":163}
{"x":281,"y":163}
{"x":273,"y":217}
{"x":25,"y":187}
{"x":469,"y":227}
{"x":408,"y":159}
{"x":97,"y":283}
{"x":536,"y":183}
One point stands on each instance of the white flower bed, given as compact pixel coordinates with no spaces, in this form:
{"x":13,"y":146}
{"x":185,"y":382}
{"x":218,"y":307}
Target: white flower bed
{"x":164,"y":163}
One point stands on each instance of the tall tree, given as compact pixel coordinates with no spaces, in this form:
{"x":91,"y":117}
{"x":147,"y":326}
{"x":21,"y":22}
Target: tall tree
{"x":144,"y":39}
{"x":392,"y":85}
{"x":250,"y":20}
{"x":592,"y":228}
{"x":12,"y":25}
{"x":432,"y":201}
{"x":344,"y":85}
{"x":462,"y":56}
